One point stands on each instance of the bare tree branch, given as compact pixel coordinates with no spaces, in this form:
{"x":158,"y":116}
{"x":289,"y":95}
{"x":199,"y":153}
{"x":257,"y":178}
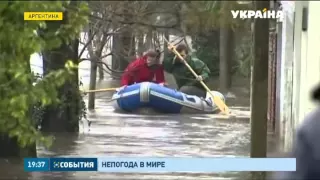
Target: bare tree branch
{"x":175,"y":43}
{"x":176,"y":25}
{"x":87,"y":44}
{"x":105,"y":64}
{"x":98,"y":58}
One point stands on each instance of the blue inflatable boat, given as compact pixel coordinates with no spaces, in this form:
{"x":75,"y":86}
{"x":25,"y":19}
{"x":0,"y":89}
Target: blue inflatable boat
{"x":162,"y":99}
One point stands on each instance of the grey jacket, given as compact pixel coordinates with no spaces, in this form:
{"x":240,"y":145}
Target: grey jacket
{"x":306,"y":150}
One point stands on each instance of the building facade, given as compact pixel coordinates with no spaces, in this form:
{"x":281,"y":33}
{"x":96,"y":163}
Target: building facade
{"x":298,"y":66}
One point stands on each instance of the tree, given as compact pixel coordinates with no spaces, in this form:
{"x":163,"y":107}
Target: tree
{"x":99,"y":33}
{"x":259,"y":89}
{"x":226,"y":48}
{"x":65,"y":116}
{"x":207,"y":49}
{"x":18,"y":93}
{"x":212,"y":29}
{"x":130,"y":21}
{"x":204,"y":31}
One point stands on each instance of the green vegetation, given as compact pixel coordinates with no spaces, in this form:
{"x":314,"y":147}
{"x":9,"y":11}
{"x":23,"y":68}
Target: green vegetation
{"x":55,"y":102}
{"x":205,"y":21}
{"x":207,"y":49}
{"x":18,"y":93}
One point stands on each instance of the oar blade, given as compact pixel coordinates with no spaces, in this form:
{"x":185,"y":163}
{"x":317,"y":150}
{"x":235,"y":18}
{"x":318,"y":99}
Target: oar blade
{"x":221,"y":105}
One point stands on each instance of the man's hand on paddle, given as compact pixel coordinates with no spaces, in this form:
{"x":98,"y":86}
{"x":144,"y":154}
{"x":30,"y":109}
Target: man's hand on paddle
{"x":170,"y":47}
{"x":199,"y":78}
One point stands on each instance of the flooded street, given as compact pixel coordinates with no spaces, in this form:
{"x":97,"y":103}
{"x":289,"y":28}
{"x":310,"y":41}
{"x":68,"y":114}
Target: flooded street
{"x":248,"y":64}
{"x":107,"y":133}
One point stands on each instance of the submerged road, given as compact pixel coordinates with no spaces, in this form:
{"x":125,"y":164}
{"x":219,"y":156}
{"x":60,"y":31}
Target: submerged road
{"x":113,"y":134}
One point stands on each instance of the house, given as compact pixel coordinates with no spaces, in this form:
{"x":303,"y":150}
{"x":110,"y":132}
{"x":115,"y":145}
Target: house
{"x":298,"y":66}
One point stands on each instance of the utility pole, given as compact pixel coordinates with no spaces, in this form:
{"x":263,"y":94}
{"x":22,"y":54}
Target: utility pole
{"x":259,"y":88}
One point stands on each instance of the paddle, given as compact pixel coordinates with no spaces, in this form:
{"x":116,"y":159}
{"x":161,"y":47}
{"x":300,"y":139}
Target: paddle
{"x":101,"y":90}
{"x":221,"y":105}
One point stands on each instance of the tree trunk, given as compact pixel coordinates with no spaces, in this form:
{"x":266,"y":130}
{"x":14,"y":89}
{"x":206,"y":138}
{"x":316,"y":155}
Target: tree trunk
{"x":115,"y":54}
{"x":156,"y":40}
{"x":140,"y":44}
{"x":165,"y":44}
{"x":226,"y":57}
{"x":92,"y":84}
{"x":149,"y":44}
{"x":63,"y":117}
{"x":259,"y":88}
{"x":95,"y":56}
{"x":127,"y":52}
{"x":226,"y":49}
{"x":121,"y":47}
{"x":10,"y":148}
{"x":93,"y":74}
{"x":101,"y":73}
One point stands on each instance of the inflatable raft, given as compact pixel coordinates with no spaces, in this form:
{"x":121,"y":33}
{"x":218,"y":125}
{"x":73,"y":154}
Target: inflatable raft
{"x":162,"y":99}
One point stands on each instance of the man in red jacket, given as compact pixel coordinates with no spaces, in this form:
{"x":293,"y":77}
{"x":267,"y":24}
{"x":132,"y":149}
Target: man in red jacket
{"x":144,"y":69}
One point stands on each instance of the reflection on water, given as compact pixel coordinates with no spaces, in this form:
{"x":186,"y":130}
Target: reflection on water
{"x":112,"y":134}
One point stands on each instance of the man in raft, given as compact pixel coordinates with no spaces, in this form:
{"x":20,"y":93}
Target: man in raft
{"x":144,"y":69}
{"x":185,"y":80}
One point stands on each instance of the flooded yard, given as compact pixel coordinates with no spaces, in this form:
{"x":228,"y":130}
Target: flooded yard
{"x":107,"y":133}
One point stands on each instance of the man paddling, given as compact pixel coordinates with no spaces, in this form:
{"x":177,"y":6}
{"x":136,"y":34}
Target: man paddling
{"x":144,"y":69}
{"x":184,"y":78}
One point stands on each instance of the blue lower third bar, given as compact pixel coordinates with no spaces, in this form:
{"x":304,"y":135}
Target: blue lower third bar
{"x":204,"y":165}
{"x":73,"y":164}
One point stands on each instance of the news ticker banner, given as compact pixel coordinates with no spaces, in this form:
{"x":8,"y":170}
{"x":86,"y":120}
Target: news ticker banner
{"x":144,"y":165}
{"x":43,"y":16}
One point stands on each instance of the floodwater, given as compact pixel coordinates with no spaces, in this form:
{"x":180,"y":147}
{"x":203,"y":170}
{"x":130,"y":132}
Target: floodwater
{"x":106,"y":133}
